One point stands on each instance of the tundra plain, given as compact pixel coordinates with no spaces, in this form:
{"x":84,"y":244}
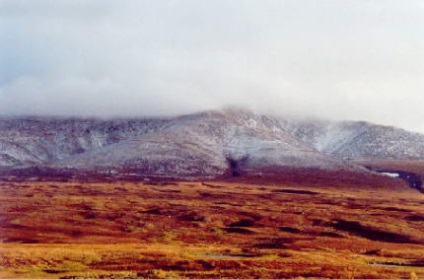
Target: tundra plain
{"x":218,"y":229}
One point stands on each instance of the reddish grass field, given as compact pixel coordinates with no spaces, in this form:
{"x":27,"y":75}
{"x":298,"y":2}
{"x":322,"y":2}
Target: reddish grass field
{"x":209,"y":230}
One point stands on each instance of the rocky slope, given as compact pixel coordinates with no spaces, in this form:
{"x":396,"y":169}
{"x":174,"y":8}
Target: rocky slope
{"x":359,"y":140}
{"x":204,"y":145}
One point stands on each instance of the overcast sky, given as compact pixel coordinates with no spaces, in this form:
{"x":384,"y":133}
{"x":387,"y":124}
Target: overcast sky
{"x":360,"y":60}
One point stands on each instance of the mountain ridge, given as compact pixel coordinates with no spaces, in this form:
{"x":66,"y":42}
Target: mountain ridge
{"x":203,"y":145}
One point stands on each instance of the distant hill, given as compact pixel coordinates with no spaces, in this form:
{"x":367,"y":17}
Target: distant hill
{"x":206,"y":145}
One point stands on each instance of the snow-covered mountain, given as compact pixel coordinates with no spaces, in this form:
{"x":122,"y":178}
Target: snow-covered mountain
{"x":206,"y":145}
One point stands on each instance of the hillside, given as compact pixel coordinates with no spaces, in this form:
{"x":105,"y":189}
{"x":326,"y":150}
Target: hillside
{"x":359,"y":140}
{"x":204,"y":145}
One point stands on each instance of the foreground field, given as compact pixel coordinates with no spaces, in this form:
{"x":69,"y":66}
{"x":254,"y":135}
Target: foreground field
{"x":209,"y":230}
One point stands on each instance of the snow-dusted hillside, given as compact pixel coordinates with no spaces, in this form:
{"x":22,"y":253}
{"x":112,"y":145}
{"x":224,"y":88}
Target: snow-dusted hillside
{"x":206,"y":145}
{"x":29,"y":141}
{"x":359,"y":140}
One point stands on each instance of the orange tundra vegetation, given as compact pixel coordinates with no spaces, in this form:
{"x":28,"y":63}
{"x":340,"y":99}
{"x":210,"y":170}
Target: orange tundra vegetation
{"x":209,"y":230}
